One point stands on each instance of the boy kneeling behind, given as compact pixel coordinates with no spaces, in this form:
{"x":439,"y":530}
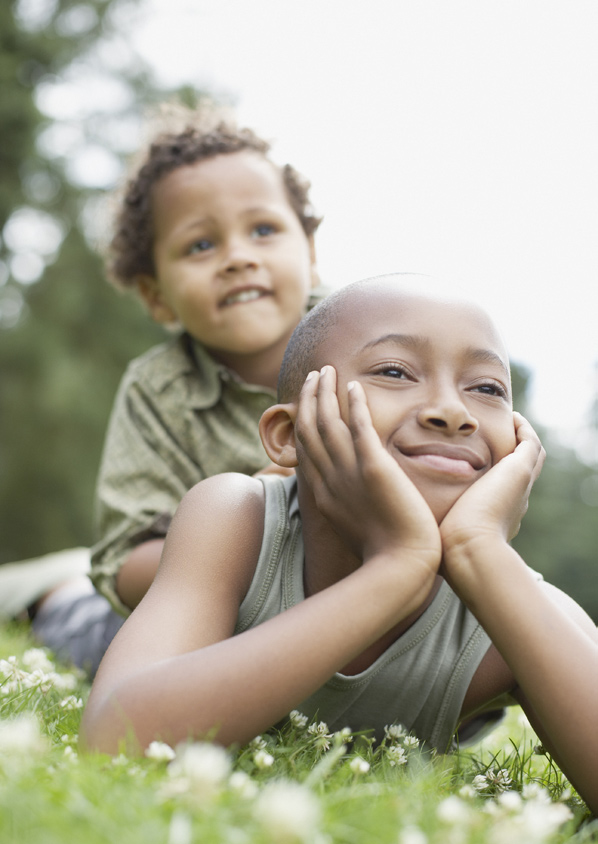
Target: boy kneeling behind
{"x":377,"y":585}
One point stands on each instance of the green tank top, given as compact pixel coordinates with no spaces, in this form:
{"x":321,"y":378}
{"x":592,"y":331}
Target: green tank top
{"x":420,"y":681}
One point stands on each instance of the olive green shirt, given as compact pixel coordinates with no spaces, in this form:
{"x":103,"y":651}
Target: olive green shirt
{"x":179,"y":417}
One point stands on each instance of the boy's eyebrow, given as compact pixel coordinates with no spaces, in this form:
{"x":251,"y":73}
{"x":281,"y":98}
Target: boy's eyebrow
{"x":411,"y":341}
{"x":418,"y":344}
{"x":486,"y":356}
{"x":202,"y":221}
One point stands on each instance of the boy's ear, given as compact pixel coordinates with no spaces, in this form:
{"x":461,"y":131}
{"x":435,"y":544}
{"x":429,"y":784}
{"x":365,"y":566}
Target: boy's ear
{"x":151,"y":293}
{"x":277,"y":430}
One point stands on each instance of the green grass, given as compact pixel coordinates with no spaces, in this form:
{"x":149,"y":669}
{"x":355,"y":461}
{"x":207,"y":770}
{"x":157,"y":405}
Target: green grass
{"x":299,"y":785}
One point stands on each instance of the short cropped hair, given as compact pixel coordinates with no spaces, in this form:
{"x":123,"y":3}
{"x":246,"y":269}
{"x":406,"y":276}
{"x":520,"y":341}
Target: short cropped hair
{"x":301,"y":355}
{"x":131,"y":249}
{"x":302,"y":352}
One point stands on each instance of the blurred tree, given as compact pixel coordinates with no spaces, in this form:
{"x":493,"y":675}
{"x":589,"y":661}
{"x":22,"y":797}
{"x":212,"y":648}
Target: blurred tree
{"x":559,"y":534}
{"x":65,"y":334}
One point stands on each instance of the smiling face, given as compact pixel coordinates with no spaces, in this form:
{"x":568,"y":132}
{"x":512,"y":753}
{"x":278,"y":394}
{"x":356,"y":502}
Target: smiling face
{"x":437,"y":384}
{"x":233,"y":263}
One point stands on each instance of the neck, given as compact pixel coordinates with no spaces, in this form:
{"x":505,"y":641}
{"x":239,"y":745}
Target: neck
{"x":260,"y":369}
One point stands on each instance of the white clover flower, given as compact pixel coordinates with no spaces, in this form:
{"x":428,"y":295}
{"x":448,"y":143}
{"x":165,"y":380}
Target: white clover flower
{"x":135,"y":771}
{"x":535,"y":791}
{"x":180,"y":830}
{"x":541,"y":820}
{"x":344,"y":735}
{"x":510,"y":800}
{"x":536,"y":823}
{"x":65,"y":682}
{"x":492,"y":779}
{"x":22,"y":736}
{"x":70,"y":755}
{"x":396,"y":755}
{"x":287,"y":811}
{"x":319,"y":729}
{"x":38,"y":658}
{"x":322,"y":735}
{"x":243,"y":785}
{"x":411,"y":742}
{"x":262,"y":759}
{"x":412,"y":835}
{"x":467,"y":792}
{"x":14,"y":677}
{"x":499,"y":779}
{"x":298,"y":719}
{"x":453,"y":810}
{"x":160,"y":751}
{"x":72,"y":702}
{"x":120,"y":761}
{"x":41,"y":680}
{"x":203,"y":766}
{"x":394,"y":732}
{"x":257,"y":743}
{"x":173,"y":788}
{"x":359,"y":765}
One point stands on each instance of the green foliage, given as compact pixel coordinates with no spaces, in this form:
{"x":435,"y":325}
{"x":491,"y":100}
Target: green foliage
{"x":64,"y":340}
{"x":558,"y":535}
{"x":299,"y":784}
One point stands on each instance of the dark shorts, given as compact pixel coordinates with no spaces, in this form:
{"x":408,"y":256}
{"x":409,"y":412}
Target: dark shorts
{"x":77,"y":627}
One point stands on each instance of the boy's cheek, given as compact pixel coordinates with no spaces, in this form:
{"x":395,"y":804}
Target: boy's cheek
{"x":508,"y":440}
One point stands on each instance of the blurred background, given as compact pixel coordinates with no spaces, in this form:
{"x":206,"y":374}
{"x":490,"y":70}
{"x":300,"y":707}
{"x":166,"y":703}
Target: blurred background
{"x":457,"y":139}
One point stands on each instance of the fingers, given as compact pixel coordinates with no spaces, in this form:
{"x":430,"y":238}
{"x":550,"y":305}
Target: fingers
{"x":320,"y":429}
{"x":365,"y":439}
{"x":529,"y":445}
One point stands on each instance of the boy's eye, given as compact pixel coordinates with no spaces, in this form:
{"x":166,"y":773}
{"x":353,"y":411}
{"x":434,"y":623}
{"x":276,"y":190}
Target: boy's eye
{"x":200,"y":246}
{"x":393,"y":370}
{"x":263,"y":230}
{"x":491,"y":389}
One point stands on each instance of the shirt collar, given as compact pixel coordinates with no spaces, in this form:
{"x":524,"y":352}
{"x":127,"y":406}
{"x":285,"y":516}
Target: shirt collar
{"x":205,"y":390}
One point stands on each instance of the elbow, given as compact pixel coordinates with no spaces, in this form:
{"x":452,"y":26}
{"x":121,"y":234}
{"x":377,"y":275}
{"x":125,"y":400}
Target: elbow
{"x":105,"y":729}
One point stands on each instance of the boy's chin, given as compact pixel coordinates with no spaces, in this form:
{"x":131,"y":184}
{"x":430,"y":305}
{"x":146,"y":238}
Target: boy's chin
{"x":440,"y":502}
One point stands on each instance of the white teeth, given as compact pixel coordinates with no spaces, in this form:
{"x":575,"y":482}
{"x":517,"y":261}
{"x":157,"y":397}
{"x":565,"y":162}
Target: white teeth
{"x":243,"y":296}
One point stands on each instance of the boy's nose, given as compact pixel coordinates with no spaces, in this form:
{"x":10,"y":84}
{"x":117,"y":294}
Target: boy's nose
{"x":449,"y":415}
{"x":240,"y":256}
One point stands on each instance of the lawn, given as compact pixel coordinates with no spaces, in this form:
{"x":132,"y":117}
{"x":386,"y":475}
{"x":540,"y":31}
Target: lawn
{"x":299,"y":785}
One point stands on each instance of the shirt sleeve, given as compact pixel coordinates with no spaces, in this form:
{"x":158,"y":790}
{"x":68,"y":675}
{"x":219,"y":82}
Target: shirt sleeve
{"x":145,"y":471}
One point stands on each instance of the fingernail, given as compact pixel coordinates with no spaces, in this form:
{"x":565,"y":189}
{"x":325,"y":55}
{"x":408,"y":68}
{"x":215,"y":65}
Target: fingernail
{"x":310,"y":375}
{"x":324,"y":370}
{"x":350,"y":385}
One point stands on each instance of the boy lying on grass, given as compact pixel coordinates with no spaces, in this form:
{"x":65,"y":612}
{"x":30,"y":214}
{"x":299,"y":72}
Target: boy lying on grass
{"x":377,"y":584}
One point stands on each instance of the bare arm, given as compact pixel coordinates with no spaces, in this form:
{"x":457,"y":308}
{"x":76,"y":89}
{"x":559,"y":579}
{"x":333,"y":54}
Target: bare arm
{"x":545,"y":638}
{"x":138,"y":572}
{"x":174,"y":671}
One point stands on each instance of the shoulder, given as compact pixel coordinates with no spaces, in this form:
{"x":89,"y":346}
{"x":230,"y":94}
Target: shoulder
{"x":218,"y":527}
{"x":231,"y":493}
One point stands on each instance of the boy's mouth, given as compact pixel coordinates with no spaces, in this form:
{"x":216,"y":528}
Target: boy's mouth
{"x":447,"y":459}
{"x":242,"y":295}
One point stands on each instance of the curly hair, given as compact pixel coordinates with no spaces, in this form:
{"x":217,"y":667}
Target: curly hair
{"x":131,"y":248}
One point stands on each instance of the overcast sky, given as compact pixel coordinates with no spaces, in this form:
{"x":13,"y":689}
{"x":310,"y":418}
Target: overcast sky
{"x":453,"y":138}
